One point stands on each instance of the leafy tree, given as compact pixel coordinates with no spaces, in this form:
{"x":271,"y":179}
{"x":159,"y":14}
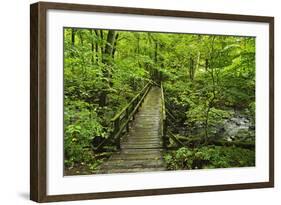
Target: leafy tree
{"x":208,"y":80}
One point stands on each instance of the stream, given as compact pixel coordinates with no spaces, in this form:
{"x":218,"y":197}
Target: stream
{"x":238,"y":127}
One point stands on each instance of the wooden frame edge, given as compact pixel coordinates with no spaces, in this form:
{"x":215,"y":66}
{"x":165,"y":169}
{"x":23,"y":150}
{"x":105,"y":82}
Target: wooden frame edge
{"x":38,"y":175}
{"x":153,"y":12}
{"x":155,"y":192}
{"x":37,"y":102}
{"x":34,"y":191}
{"x":271,"y":101}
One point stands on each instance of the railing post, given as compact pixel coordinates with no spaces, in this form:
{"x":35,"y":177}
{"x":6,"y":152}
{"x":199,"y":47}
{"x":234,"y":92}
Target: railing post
{"x":116,"y":129}
{"x":164,"y":133}
{"x":138,"y":101}
{"x":134,"y":105}
{"x":164,"y":124}
{"x":127,"y":117}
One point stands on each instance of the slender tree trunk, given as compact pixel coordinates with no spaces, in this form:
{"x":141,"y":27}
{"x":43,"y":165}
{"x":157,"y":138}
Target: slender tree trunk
{"x":92,"y":47}
{"x":97,"y":46}
{"x":73,"y":31}
{"x":81,"y":38}
{"x":106,"y":59}
{"x":72,"y":53}
{"x":155,"y":52}
{"x":211,"y":101}
{"x":138,"y":44}
{"x":109,"y":46}
{"x":80,"y":35}
{"x":206,"y":64}
{"x":210,"y":105}
{"x":155,"y":71}
{"x":101,"y":45}
{"x":115,"y":45}
{"x":197,"y":64}
{"x":191,"y":68}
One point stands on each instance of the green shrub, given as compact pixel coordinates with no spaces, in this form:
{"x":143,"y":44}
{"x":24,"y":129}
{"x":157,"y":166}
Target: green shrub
{"x":209,"y":157}
{"x":81,"y":125}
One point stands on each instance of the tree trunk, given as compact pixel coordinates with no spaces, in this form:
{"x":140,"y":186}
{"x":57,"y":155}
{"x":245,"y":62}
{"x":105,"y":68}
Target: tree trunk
{"x":197,"y":64}
{"x":206,"y":64}
{"x":155,"y":52}
{"x":81,"y":38}
{"x":73,"y":31}
{"x":115,"y":44}
{"x":92,"y":47}
{"x":138,"y":44}
{"x":101,"y":45}
{"x":97,"y":46}
{"x":106,"y":59}
{"x":191,"y":68}
{"x":109,"y":46}
{"x":155,"y":70}
{"x":210,"y":68}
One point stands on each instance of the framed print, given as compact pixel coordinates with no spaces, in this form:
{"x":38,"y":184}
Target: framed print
{"x":133,"y":102}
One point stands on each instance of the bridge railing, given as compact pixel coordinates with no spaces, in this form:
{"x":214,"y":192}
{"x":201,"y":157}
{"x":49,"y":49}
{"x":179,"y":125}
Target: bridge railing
{"x":164,"y":123}
{"x":122,"y":119}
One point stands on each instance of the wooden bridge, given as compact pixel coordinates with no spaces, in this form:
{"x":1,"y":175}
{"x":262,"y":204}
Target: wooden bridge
{"x":139,"y":132}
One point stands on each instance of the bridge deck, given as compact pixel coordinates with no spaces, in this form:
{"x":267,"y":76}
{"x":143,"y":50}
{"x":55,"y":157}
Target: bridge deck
{"x":141,"y":147}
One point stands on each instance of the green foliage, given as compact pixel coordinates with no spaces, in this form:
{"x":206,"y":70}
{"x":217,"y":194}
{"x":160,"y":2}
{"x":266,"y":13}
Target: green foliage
{"x":181,"y":159}
{"x":100,"y":77}
{"x":209,"y":157}
{"x":81,"y":126}
{"x":222,"y":81}
{"x":207,"y":79}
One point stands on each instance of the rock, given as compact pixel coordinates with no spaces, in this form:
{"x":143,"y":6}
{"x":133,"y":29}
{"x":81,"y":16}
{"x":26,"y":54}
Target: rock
{"x":252,"y":127}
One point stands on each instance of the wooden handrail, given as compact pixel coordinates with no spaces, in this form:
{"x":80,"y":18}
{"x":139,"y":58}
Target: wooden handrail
{"x":169,"y":113}
{"x":163,"y":102}
{"x":175,"y":139}
{"x":121,"y":120}
{"x":163,"y":111}
{"x":126,"y":107}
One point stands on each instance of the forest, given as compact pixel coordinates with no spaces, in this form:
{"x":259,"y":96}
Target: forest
{"x":208,"y":83}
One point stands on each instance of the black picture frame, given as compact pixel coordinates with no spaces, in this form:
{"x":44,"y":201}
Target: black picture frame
{"x":38,"y":101}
